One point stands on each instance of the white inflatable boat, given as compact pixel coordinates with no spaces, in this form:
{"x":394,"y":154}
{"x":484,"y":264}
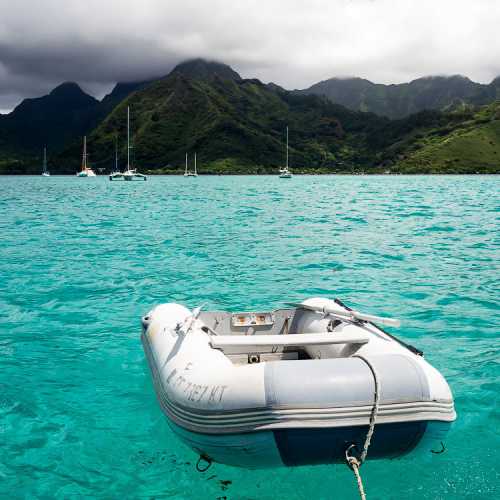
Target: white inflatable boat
{"x":293,"y":386}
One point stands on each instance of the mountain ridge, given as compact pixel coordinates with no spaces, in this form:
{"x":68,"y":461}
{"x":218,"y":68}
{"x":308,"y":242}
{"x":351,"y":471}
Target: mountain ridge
{"x":236,"y":125}
{"x":53,"y":119}
{"x":203,"y":69}
{"x":403,"y":99}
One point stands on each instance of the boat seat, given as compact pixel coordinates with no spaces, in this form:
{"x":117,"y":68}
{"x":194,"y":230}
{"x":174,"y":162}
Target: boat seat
{"x":258,"y":343}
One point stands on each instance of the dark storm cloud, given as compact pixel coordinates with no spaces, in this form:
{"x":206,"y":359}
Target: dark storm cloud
{"x":294,"y":44}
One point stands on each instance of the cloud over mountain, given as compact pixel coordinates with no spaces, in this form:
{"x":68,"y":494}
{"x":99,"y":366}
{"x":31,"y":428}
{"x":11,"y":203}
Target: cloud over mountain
{"x":294,"y":44}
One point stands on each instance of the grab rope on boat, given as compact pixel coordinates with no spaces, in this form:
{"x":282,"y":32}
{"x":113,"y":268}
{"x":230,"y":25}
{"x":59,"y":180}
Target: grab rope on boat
{"x":353,"y":462}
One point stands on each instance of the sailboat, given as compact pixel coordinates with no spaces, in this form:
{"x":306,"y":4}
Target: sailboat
{"x":86,"y":171}
{"x":285,"y":172}
{"x":45,"y":172}
{"x":116,"y":175}
{"x":131,"y":173}
{"x":190,"y":173}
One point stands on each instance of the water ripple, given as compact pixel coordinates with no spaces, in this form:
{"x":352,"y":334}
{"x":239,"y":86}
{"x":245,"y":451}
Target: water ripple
{"x":81,"y":261}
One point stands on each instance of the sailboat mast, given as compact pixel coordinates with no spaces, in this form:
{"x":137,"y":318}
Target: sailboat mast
{"x":116,"y":155}
{"x":45,"y":159}
{"x":195,"y":173}
{"x":84,"y":157}
{"x":186,"y":169}
{"x":286,"y":147}
{"x":128,"y":138}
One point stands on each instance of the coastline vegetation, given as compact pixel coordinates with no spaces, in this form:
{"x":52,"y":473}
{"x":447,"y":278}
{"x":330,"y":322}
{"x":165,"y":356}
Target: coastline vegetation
{"x":236,"y":126}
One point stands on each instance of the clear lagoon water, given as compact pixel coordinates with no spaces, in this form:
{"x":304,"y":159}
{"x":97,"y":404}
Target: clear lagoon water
{"x":82,"y":259}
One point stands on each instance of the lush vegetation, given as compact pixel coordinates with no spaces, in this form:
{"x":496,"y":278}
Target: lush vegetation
{"x":52,"y":121}
{"x":238,"y":126}
{"x":469,"y":145}
{"x":401,"y":100}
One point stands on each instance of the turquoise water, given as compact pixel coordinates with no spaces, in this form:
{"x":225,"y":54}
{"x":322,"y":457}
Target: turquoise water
{"x":82,"y":259}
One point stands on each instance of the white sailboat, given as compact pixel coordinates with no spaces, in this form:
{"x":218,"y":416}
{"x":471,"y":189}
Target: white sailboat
{"x":285,"y":172}
{"x":116,"y":175}
{"x":45,"y":172}
{"x":131,"y":174}
{"x":190,"y":173}
{"x":86,"y":171}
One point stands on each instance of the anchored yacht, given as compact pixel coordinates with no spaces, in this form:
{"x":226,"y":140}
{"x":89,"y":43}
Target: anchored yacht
{"x":116,"y":175}
{"x":285,"y":171}
{"x":45,"y":172}
{"x":130,"y":174}
{"x":86,"y":171}
{"x":190,"y":173}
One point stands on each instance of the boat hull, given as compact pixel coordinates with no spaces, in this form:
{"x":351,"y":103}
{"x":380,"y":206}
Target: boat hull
{"x":134,"y":177}
{"x":297,"y":447}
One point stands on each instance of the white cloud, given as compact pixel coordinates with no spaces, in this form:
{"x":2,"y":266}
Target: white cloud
{"x":293,"y":43}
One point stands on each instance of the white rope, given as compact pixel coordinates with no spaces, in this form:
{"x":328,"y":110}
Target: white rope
{"x":354,"y":465}
{"x":373,"y":415}
{"x":352,"y":461}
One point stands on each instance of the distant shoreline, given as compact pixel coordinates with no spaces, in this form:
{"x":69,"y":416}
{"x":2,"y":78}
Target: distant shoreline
{"x":229,"y":174}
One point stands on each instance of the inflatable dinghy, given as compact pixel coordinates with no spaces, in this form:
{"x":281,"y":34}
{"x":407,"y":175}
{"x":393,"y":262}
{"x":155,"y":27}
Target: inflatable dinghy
{"x":293,"y":386}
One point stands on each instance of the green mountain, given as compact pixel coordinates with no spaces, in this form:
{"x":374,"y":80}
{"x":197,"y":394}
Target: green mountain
{"x":401,"y":100}
{"x":488,"y":93}
{"x":233,"y":124}
{"x":120,"y":92}
{"x":54,"y":120}
{"x":237,"y":125}
{"x":470,"y":145}
{"x":200,"y":69}
{"x":50,"y":120}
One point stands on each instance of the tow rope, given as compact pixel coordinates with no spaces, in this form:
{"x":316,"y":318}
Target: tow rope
{"x":353,"y":462}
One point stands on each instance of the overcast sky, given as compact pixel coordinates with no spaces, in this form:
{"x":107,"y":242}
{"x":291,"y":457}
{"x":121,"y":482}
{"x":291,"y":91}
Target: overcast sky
{"x":290,"y":42}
